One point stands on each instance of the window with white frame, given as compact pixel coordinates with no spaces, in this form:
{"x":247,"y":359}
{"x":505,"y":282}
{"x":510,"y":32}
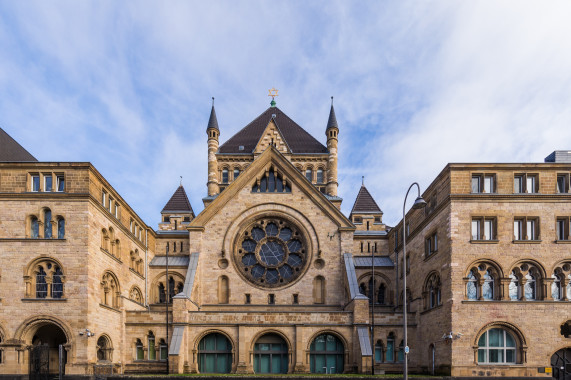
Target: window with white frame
{"x":35,"y":182}
{"x":483,"y":183}
{"x":104,"y":198}
{"x":526,"y":228}
{"x":319,"y":176}
{"x":526,"y":183}
{"x":496,"y":346}
{"x":483,"y":228}
{"x":48,"y":182}
{"x":60,"y":183}
{"x":224,"y":175}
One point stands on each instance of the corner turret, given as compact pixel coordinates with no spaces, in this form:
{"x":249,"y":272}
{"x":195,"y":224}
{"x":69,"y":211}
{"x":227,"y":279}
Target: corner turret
{"x":332,"y":131}
{"x":213,"y":133}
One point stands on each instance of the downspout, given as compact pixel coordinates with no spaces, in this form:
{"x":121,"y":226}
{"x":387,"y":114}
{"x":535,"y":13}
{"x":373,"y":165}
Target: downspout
{"x":147,"y":268}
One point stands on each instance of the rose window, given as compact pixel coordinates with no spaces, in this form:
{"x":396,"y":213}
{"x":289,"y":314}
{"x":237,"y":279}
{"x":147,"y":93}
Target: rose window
{"x":271,"y":252}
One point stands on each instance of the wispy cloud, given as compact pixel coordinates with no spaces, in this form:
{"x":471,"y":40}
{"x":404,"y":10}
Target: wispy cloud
{"x":416,"y":85}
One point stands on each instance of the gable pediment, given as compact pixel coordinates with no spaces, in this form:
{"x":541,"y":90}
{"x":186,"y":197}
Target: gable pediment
{"x":270,"y":163}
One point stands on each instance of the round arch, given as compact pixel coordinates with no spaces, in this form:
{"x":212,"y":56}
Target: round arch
{"x":154,"y":295}
{"x":204,"y":333}
{"x":521,"y":344}
{"x":214,"y":357}
{"x":24,"y":333}
{"x":104,"y":348}
{"x":533,"y":262}
{"x":561,"y":264}
{"x":490,"y":262}
{"x":268,"y":332}
{"x":337,"y":334}
{"x":322,"y":355}
{"x":269,"y":353}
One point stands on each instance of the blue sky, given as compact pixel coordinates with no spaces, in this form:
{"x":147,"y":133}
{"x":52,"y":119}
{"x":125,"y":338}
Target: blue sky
{"x":128,"y":85}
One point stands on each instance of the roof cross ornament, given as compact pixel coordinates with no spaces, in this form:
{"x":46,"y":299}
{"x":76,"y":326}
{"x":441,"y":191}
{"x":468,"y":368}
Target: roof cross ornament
{"x":180,"y":180}
{"x":273,"y":93}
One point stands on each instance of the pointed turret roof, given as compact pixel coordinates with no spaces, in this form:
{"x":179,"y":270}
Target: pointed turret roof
{"x":11,"y":151}
{"x":212,"y":122}
{"x":365,"y":203}
{"x":297,"y":139}
{"x":332,"y":122}
{"x":178,"y":202}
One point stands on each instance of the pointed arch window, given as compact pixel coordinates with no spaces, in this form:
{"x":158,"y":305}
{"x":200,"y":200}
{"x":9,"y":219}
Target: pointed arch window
{"x":514,"y":287}
{"x":530,"y":287}
{"x":152,"y":350}
{"x":488,"y":286}
{"x":139,"y":350}
{"x":379,"y":352}
{"x":472,"y":286}
{"x":57,"y":283}
{"x":271,"y":182}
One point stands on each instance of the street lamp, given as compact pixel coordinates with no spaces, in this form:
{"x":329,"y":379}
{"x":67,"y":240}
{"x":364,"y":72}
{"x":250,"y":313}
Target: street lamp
{"x":418,"y":204}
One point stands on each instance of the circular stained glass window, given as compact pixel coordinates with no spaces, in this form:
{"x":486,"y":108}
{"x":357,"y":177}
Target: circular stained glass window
{"x":271,"y":252}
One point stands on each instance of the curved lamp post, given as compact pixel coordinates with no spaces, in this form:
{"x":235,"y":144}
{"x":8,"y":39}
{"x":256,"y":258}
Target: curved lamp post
{"x":418,"y":204}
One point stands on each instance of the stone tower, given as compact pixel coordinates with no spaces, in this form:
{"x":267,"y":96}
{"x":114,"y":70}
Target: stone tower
{"x":332,"y":131}
{"x":213,"y":133}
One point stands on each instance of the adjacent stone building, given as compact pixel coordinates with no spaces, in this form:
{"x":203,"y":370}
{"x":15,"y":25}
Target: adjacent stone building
{"x":271,"y":277}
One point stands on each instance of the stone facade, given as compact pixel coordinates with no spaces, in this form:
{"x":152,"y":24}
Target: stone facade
{"x":272,"y":277}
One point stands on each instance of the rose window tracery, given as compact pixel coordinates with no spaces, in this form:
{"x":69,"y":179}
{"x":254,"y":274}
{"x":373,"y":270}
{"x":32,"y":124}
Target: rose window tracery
{"x":271,"y":252}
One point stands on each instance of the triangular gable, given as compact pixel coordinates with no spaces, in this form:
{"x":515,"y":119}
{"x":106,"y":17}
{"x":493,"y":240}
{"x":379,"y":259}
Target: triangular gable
{"x":271,"y":157}
{"x":178,"y":202}
{"x":272,"y":136}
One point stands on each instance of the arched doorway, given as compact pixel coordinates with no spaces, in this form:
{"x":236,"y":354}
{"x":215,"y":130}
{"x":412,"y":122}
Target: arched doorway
{"x":561,"y":364}
{"x":214,"y":354}
{"x":326,"y":354}
{"x":271,"y":354}
{"x":45,"y":351}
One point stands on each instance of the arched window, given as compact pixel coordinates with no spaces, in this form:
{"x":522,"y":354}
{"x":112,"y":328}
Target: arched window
{"x":104,"y":349}
{"x":151,"y":344}
{"x":139,"y":352}
{"x":326,"y":352}
{"x":391,"y":348}
{"x":41,"y":284}
{"x":47,"y":224}
{"x":488,"y":286}
{"x":162,"y":294}
{"x":556,"y":288}
{"x":319,"y":290}
{"x":214,"y":354}
{"x":472,"y":286}
{"x":236,"y":173}
{"x":497,"y":346}
{"x":381,"y":294}
{"x":104,"y":240}
{"x":309,"y":175}
{"x":224,"y":175}
{"x":433,"y":289}
{"x":223,"y":290}
{"x":271,"y":181}
{"x":57,"y":283}
{"x":163,"y":350}
{"x":270,"y":354}
{"x":379,"y":352}
{"x":136,"y":295}
{"x":514,"y":287}
{"x":110,"y":291}
{"x":319,"y":176}
{"x":530,"y":287}
{"x":35,"y":227}
{"x":61,"y":228}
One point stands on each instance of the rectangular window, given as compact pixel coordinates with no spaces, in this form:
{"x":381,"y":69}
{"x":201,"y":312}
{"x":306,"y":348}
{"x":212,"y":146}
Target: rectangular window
{"x":431,"y":244}
{"x":357,"y":220}
{"x":225,"y":176}
{"x":248,"y":299}
{"x":562,"y":183}
{"x":131,"y":225}
{"x":116,"y":212}
{"x":309,"y":175}
{"x":271,"y":299}
{"x":526,"y":183}
{"x":483,"y":228}
{"x":526,"y":228}
{"x":483,"y":183}
{"x":378,"y":220}
{"x":296,"y":299}
{"x":60,"y":183}
{"x":562,"y":228}
{"x":35,"y":182}
{"x":236,"y":173}
{"x":111,"y":204}
{"x":104,"y":198}
{"x":48,"y":181}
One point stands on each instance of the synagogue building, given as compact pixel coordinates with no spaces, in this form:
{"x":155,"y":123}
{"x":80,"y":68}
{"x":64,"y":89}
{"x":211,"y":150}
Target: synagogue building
{"x":271,"y":276}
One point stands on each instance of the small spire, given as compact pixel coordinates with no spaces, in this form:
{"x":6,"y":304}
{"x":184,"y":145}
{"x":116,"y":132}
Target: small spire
{"x":362,"y":180}
{"x":212,"y":122}
{"x":332,"y":122}
{"x":180,"y":181}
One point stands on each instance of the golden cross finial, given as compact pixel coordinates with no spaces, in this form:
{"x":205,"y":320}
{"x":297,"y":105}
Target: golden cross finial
{"x":273,"y":92}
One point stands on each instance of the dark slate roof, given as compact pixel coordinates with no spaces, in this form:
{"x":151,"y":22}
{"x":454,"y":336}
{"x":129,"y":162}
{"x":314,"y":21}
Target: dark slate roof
{"x":332,"y":122}
{"x":10,"y":150}
{"x":380,"y":261}
{"x":212,"y":122}
{"x":365,"y":203}
{"x":298,"y":140}
{"x":178,"y":202}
